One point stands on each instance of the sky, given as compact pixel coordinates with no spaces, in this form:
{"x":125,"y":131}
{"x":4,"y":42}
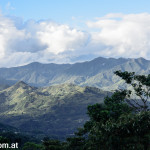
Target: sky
{"x":69,"y":31}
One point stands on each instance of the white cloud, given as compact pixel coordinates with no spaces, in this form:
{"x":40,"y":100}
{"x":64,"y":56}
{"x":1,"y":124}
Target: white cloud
{"x":114,"y":35}
{"x":123,"y":35}
{"x":60,"y":38}
{"x":36,"y":41}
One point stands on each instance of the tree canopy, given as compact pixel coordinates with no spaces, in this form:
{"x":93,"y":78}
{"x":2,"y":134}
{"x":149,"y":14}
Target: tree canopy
{"x":122,"y":122}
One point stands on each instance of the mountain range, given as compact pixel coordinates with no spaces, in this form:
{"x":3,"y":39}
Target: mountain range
{"x":52,"y":99}
{"x":97,"y":73}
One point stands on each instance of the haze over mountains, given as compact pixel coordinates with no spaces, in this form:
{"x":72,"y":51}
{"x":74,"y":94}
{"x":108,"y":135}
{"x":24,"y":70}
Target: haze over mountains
{"x":97,"y":73}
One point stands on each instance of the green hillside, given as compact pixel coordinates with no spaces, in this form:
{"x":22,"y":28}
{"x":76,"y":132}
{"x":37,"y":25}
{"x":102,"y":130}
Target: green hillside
{"x":56,"y":110}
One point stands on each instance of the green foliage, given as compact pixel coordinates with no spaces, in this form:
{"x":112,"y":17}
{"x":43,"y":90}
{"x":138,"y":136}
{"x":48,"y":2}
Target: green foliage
{"x":115,"y":125}
{"x":52,"y":144}
{"x":75,"y":143}
{"x":141,"y":88}
{"x":32,"y":146}
{"x":112,"y":108}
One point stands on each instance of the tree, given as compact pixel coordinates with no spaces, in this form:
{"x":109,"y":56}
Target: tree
{"x":75,"y":143}
{"x":32,"y":146}
{"x":51,"y":144}
{"x":119,"y":123}
{"x":141,"y":88}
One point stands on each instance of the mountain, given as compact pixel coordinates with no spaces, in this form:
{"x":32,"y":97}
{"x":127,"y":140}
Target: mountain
{"x":97,"y":73}
{"x":55,"y":110}
{"x":60,"y":107}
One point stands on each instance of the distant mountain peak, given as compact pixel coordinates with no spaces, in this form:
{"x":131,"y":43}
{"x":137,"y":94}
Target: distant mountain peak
{"x":21,"y":84}
{"x":34,"y":63}
{"x":142,"y":59}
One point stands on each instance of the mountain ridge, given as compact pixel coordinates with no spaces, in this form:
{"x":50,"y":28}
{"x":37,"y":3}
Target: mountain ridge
{"x":97,"y":72}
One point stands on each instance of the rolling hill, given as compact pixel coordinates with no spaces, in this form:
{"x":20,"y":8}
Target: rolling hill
{"x":55,"y":110}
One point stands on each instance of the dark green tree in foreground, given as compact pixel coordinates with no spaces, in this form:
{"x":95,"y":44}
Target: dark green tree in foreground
{"x":120,"y":123}
{"x":141,"y":89}
{"x":32,"y":146}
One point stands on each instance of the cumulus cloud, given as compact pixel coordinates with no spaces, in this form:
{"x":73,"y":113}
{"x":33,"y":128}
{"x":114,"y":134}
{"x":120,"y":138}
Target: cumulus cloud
{"x":43,"y":41}
{"x":60,"y":38}
{"x":114,"y":35}
{"x":123,"y":35}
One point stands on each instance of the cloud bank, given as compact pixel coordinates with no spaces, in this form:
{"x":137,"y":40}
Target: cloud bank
{"x":114,"y":35}
{"x":123,"y":35}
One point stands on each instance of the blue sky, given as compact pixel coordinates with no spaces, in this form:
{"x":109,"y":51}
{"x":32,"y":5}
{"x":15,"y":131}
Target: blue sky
{"x":62,"y":11}
{"x":68,"y":31}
